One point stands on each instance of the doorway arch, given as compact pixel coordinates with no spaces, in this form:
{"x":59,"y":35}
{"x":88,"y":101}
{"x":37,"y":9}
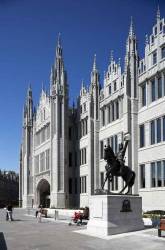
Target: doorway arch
{"x":43,"y":193}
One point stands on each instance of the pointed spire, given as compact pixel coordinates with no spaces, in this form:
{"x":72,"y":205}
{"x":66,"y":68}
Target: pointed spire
{"x":59,"y":47}
{"x":111,"y":56}
{"x":29,"y":91}
{"x":158,"y":14}
{"x":59,"y":40}
{"x":131,"y":29}
{"x":94,"y":63}
{"x":82,"y":83}
{"x":42,"y":86}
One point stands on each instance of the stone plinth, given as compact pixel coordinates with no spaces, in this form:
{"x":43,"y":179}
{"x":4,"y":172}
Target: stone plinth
{"x":114,"y":214}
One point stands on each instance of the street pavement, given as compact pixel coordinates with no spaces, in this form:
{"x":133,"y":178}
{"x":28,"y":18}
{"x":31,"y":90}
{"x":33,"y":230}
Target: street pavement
{"x":25,"y":233}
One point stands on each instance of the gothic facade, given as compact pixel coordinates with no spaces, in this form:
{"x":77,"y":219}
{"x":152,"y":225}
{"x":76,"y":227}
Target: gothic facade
{"x":62,"y":147}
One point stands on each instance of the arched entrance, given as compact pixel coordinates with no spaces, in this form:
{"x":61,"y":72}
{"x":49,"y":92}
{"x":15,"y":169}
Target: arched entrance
{"x":43,"y":193}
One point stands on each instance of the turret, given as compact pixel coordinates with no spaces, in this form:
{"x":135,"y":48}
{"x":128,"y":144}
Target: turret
{"x":94,"y":74}
{"x":28,"y":108}
{"x":131,"y":62}
{"x":58,"y":76}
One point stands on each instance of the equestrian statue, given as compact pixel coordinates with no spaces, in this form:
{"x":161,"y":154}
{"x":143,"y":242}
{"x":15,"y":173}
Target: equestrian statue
{"x":116,"y":166}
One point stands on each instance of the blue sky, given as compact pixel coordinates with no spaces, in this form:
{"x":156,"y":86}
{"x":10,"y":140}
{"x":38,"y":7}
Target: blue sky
{"x":28,"y":35}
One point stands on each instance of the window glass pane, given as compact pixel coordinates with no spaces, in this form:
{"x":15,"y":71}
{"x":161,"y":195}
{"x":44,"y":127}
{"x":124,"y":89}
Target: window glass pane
{"x":103,"y":117}
{"x":112,"y":143}
{"x":101,"y":178}
{"x":153,"y":90}
{"x":159,"y":174}
{"x":164,"y":128}
{"x":163,"y":52}
{"x":164,"y":173}
{"x":153,"y":175}
{"x":101,"y":150}
{"x":114,"y":86}
{"x":113,"y":113}
{"x":159,"y":87}
{"x":142,"y":176}
{"x":154,"y":58}
{"x":109,"y":117}
{"x":144,"y":95}
{"x":109,"y":89}
{"x":142,"y":135}
{"x":117,"y":110}
{"x":152,"y":132}
{"x":158,"y":130}
{"x":115,"y":149}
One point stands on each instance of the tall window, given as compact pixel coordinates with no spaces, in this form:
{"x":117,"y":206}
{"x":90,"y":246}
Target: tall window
{"x":113,"y":112}
{"x":153,"y":90}
{"x":112,"y":144}
{"x":153,"y":132}
{"x":110,"y":89}
{"x":101,"y":149}
{"x":164,"y":173}
{"x":70,"y":159}
{"x":159,"y":174}
{"x":115,"y":86}
{"x":144,"y":95}
{"x":83,"y":184}
{"x":101,"y":178}
{"x":154,"y":57}
{"x":163,"y":52}
{"x":86,"y":126}
{"x":159,"y":87}
{"x":103,"y":117}
{"x":117,"y":109}
{"x":163,"y":128}
{"x":142,"y":136}
{"x":158,"y":130}
{"x":115,"y":139}
{"x":153,"y":175}
{"x":142,"y":176}
{"x":109,"y":114}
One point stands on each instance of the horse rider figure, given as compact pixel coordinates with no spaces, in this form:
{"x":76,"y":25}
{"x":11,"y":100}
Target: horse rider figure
{"x":116,"y":165}
{"x":120,"y":155}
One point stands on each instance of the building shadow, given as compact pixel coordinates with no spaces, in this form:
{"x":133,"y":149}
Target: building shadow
{"x":3,"y":245}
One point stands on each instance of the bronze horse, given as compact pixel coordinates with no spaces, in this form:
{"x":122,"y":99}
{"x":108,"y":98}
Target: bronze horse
{"x":115,"y":167}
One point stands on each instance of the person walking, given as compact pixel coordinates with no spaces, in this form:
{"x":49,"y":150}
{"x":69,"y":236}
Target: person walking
{"x":10,"y":212}
{"x":39,"y":214}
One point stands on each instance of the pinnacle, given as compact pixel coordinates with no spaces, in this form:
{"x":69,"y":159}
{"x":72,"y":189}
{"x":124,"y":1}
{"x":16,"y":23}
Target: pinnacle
{"x":94,"y":63}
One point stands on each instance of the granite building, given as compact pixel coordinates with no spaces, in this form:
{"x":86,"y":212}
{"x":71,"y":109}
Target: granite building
{"x":62,"y":147}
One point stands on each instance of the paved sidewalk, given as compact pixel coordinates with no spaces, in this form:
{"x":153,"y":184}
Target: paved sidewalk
{"x":26,"y":234}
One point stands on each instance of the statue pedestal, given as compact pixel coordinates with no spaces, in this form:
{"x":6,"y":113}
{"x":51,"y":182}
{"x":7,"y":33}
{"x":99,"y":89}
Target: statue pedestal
{"x":114,"y":214}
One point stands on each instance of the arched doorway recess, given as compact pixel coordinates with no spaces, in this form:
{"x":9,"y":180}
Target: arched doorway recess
{"x":43,"y":193}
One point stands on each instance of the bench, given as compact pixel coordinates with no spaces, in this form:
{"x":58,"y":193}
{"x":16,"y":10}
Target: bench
{"x":161,"y":227}
{"x":44,"y":212}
